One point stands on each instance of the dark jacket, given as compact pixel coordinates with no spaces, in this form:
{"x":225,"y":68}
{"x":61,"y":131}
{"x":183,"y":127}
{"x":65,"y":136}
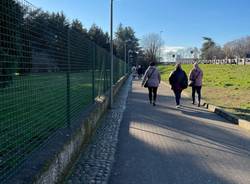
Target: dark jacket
{"x":178,"y":80}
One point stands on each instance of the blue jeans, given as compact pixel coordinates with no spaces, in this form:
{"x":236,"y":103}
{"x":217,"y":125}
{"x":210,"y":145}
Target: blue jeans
{"x":177,"y":94}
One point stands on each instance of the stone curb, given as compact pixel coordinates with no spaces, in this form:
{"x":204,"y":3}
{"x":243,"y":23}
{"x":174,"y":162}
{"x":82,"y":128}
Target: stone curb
{"x":95,"y":163}
{"x":221,"y":112}
{"x":228,"y":116}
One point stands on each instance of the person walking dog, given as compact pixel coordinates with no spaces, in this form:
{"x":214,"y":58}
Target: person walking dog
{"x":178,"y":81}
{"x":151,"y":80}
{"x":195,"y":78}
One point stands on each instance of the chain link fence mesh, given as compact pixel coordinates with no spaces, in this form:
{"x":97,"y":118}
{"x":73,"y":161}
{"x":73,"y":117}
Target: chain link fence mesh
{"x":49,"y":74}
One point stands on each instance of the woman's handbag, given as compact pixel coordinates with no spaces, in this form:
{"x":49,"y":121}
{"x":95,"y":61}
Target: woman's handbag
{"x":191,"y":83}
{"x":146,"y":83}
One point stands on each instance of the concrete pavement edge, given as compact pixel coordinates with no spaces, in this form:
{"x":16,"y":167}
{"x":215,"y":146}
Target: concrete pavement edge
{"x":221,"y":112}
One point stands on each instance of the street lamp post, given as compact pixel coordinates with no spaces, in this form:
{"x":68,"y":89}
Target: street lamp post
{"x":111,"y":55}
{"x":130,"y":52}
{"x":215,"y":62}
{"x":125,"y":53}
{"x":160,"y":48}
{"x":125,"y":57}
{"x":192,"y":53}
{"x":173,"y":57}
{"x":132,"y":67}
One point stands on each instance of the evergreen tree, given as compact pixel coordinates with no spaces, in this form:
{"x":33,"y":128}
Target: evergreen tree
{"x":11,"y":40}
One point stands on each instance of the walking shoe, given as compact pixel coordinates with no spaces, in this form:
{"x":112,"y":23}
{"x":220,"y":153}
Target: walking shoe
{"x":150,"y":102}
{"x":153,"y":103}
{"x":178,"y":106}
{"x":199,"y":105}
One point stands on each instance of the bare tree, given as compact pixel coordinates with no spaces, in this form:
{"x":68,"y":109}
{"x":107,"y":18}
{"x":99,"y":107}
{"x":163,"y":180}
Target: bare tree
{"x":215,"y":52}
{"x":152,"y":44}
{"x":239,"y":47}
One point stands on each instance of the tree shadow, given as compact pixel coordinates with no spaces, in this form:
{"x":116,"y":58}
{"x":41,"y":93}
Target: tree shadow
{"x":200,"y":112}
{"x":150,"y":136}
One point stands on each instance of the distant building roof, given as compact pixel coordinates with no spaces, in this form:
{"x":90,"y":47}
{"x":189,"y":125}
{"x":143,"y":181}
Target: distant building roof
{"x":185,"y":60}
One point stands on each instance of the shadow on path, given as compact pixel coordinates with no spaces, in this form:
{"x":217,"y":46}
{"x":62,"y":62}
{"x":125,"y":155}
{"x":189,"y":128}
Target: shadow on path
{"x":163,"y":144}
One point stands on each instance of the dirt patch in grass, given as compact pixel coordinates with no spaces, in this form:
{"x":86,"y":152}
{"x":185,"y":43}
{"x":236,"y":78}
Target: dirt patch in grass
{"x":232,"y":100}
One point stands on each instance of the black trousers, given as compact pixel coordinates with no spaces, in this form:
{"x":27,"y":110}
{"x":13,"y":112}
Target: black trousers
{"x":177,"y":94}
{"x":154,"y":91}
{"x":198,"y":90}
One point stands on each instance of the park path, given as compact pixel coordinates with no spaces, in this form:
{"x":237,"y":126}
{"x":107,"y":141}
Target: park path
{"x":162,"y":144}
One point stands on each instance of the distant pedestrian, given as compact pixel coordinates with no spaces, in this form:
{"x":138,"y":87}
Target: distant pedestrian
{"x":139,"y":71}
{"x":178,"y":81}
{"x":195,"y":76}
{"x":151,"y":80}
{"x":134,"y":72}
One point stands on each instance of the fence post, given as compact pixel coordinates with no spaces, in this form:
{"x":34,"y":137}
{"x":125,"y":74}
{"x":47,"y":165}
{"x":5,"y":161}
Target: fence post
{"x":68,"y":79}
{"x":93,"y":73}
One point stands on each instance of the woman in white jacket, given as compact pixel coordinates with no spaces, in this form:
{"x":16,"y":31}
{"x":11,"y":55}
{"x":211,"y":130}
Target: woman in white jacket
{"x":153,"y":78}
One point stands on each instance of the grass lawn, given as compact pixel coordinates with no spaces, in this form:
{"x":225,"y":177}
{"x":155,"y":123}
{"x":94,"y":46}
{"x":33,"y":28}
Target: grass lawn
{"x":33,"y":107}
{"x":227,"y":86}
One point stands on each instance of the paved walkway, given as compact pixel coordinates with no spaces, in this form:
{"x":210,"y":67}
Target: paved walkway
{"x":162,"y":144}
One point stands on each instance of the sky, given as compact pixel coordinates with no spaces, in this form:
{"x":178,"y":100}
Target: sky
{"x":181,"y":23}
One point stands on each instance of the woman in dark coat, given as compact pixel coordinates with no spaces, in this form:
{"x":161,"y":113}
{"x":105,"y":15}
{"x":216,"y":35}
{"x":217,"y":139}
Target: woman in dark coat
{"x":153,"y":78}
{"x":178,"y":81}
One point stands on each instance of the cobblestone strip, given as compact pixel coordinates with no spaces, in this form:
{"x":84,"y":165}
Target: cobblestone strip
{"x":95,"y":163}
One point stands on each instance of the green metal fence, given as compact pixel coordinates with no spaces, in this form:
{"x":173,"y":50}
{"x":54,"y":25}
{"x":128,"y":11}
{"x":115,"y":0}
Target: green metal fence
{"x":49,"y":74}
